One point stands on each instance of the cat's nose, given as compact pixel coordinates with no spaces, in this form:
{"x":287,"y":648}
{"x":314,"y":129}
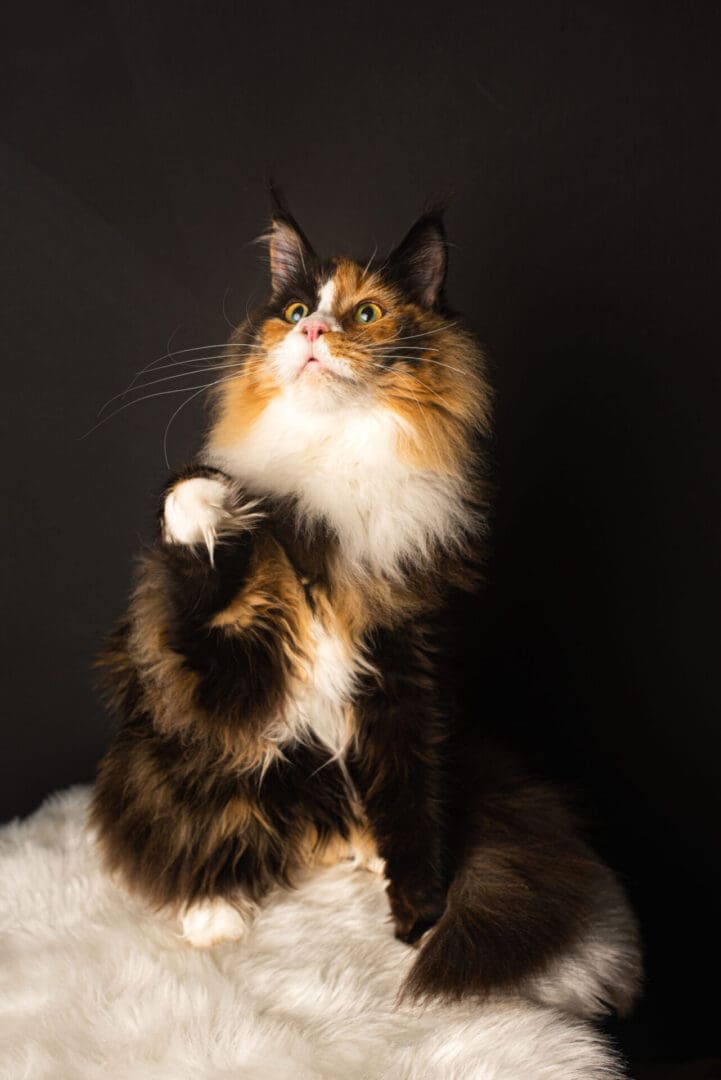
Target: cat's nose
{"x":313,"y":328}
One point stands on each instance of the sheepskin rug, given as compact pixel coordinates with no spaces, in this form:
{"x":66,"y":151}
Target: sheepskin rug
{"x":92,"y":985}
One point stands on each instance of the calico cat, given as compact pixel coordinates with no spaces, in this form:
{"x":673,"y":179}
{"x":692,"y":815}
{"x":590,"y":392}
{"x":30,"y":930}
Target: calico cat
{"x":278,"y":689}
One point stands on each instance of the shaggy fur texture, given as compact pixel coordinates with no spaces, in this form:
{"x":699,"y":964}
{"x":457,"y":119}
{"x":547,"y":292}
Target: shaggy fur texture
{"x":93,"y":984}
{"x":278,"y":684}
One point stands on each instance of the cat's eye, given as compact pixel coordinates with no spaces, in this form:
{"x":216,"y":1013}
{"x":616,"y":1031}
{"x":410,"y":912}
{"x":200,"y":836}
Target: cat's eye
{"x":295,"y":311}
{"x":367,"y":313}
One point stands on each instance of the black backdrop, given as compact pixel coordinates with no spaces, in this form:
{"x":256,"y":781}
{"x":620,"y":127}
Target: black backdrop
{"x":581,"y":141}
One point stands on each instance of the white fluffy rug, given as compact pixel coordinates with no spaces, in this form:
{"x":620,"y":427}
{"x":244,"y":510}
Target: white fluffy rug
{"x":93,"y":986}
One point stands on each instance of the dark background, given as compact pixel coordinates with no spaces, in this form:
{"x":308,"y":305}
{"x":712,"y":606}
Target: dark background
{"x":581,"y":141}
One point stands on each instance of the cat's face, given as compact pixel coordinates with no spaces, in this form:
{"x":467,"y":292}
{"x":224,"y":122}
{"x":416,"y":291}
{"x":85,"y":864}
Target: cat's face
{"x":333,"y":333}
{"x":339,"y":338}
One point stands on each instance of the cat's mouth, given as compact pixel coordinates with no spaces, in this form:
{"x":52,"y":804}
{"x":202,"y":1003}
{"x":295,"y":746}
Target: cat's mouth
{"x":319,"y":364}
{"x":314,"y":365}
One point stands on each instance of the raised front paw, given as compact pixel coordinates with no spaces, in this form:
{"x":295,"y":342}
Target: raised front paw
{"x":199,"y":509}
{"x":412,"y":912}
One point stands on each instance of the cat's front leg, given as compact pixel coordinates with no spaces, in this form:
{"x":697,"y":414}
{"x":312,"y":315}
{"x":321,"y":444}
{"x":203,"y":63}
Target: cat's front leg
{"x":400,"y":772}
{"x":206,"y":527}
{"x":196,"y":590}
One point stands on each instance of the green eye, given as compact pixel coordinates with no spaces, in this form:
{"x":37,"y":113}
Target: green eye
{"x":295,"y":311}
{"x":367,"y":313}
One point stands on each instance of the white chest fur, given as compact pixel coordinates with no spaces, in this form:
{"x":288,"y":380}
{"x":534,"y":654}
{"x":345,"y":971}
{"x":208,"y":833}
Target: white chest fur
{"x":319,"y":703}
{"x":343,"y":465}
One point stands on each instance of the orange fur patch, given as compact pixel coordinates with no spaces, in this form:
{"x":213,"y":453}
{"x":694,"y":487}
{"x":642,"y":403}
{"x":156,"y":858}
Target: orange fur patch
{"x":429,"y":372}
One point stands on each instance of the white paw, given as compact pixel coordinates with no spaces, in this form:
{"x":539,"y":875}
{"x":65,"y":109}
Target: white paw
{"x":194,"y":510}
{"x":197,"y":510}
{"x":212,"y":921}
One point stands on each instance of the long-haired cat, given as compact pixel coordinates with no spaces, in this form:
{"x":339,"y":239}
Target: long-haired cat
{"x":278,"y":683}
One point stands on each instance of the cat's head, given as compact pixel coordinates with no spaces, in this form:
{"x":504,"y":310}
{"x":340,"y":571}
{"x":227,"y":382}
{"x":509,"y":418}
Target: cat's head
{"x":354,"y":392}
{"x":333,"y":329}
{"x":342,"y":337}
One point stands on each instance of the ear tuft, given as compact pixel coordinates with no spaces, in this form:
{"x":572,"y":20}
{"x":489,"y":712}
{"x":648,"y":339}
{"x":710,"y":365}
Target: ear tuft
{"x":290,"y":251}
{"x":420,"y":261}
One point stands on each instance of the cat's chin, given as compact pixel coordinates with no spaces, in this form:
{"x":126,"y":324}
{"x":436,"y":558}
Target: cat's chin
{"x":318,"y":387}
{"x":317,"y":374}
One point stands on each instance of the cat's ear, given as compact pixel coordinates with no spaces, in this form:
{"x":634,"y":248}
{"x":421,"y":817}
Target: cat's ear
{"x":420,"y":261}
{"x":290,"y":252}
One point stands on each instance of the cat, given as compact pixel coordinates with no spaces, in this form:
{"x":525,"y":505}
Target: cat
{"x":279,"y":688}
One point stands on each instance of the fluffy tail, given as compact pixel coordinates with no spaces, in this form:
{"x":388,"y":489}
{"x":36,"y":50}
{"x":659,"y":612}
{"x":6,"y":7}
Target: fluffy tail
{"x":523,"y":903}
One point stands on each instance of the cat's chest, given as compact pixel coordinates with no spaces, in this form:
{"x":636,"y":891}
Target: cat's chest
{"x":345,"y":471}
{"x":318,"y":702}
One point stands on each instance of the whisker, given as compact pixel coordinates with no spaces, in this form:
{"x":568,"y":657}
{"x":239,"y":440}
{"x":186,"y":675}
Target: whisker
{"x":388,"y":357}
{"x":366,"y":268}
{"x":406,"y":348}
{"x":441,"y":363}
{"x":178,"y":363}
{"x":182,"y":406}
{"x":410,"y":375}
{"x":156,"y":393}
{"x":428,"y":360}
{"x":249,"y":351}
{"x":136,"y":401}
{"x":394,"y":337}
{"x":428,"y":426}
{"x":398,"y":356}
{"x":167,"y":378}
{"x":427,"y":333}
{"x":179,"y":352}
{"x":222,"y":307}
{"x":248,"y":302}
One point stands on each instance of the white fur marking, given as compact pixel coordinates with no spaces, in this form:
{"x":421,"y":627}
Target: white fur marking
{"x":212,"y":921}
{"x":194,"y":509}
{"x":326,"y":296}
{"x":343,"y":466}
{"x":319,"y":703}
{"x":199,"y":509}
{"x":602,"y":966}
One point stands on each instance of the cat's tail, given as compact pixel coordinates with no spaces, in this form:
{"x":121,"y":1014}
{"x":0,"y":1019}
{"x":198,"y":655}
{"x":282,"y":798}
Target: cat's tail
{"x":531,"y":911}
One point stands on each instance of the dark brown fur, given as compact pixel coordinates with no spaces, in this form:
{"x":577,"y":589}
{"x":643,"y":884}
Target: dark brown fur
{"x":200,"y":796}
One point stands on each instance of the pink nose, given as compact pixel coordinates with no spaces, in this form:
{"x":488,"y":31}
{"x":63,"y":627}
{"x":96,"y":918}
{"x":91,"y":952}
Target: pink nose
{"x":314,"y":328}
